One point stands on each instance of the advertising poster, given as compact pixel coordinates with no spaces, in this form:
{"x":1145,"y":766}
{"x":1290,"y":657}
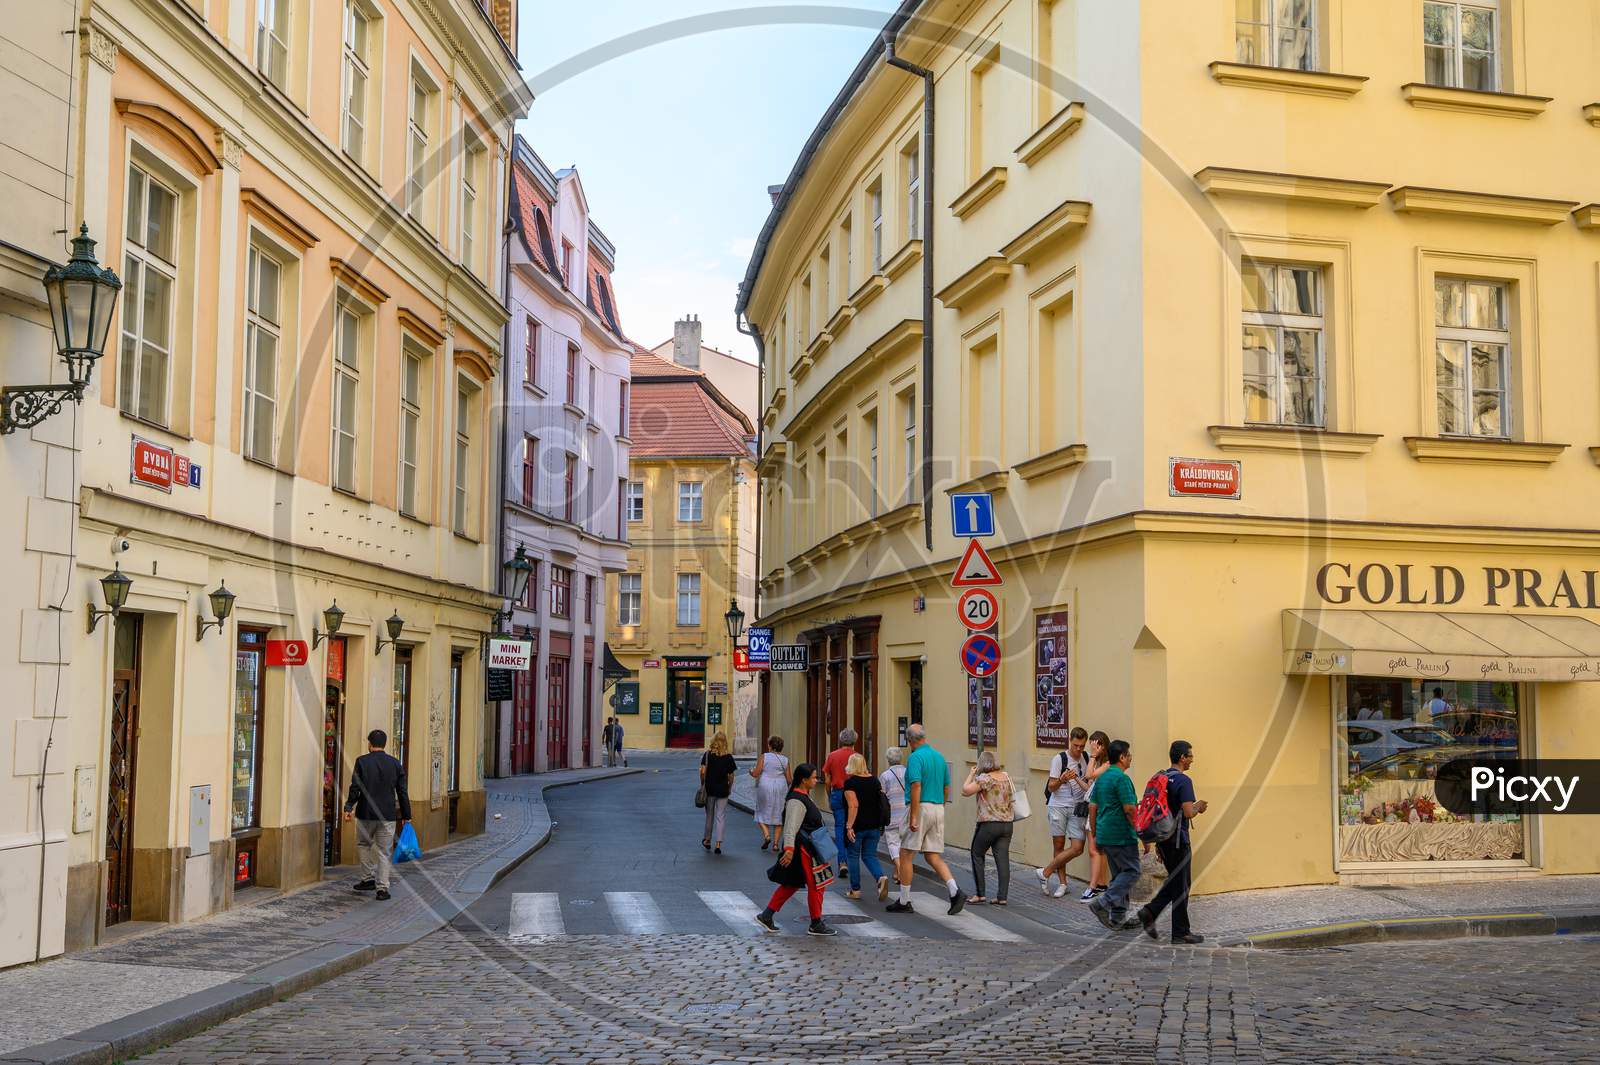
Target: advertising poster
{"x":980,"y":706}
{"x":1050,"y":679}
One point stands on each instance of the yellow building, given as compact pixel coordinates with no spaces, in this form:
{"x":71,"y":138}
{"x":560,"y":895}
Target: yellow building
{"x":303,"y":202}
{"x":1274,"y":344}
{"x":690,"y":506}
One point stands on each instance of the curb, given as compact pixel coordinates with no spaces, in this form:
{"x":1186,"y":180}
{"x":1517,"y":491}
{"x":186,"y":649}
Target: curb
{"x":1402,"y":929}
{"x":123,"y":1038}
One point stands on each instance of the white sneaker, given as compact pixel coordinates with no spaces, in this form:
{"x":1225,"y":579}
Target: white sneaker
{"x":1044,"y":881}
{"x":1060,"y":892}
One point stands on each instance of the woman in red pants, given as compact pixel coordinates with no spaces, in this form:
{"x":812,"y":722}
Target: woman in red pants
{"x":801,"y":819}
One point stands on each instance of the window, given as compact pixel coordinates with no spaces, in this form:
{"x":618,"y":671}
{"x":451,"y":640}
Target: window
{"x":470,"y":177}
{"x":1283,"y":344}
{"x":566,"y":263}
{"x":463,"y":457}
{"x":629,"y":598}
{"x":622,"y":408}
{"x":869,"y":426}
{"x":875,"y":212}
{"x":985,"y":113}
{"x":1461,"y":44}
{"x":572,"y":482}
{"x":846,"y":259}
{"x":530,"y":470}
{"x":346,"y":393}
{"x":1276,"y":33}
{"x":635,"y":498}
{"x":410,"y":429}
{"x":262,"y":327}
{"x":572,"y":374}
{"x":913,"y":169}
{"x":1056,"y":53}
{"x":357,"y":73}
{"x":908,"y":416}
{"x":688,"y":599}
{"x":593,"y":384}
{"x":588,"y":599}
{"x":622,"y":515}
{"x":825,"y":278}
{"x":588,"y":498}
{"x":416,"y":167}
{"x":805,"y":312}
{"x":272,"y":35}
{"x":691,"y":501}
{"x":150,"y":268}
{"x":530,"y":361}
{"x":560,"y":592}
{"x":1472,"y":347}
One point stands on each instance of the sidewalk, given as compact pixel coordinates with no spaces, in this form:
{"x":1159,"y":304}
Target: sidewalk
{"x":1322,"y":915}
{"x":111,"y":1002}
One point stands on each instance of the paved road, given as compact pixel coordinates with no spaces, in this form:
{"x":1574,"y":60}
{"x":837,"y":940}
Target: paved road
{"x":687,"y":988}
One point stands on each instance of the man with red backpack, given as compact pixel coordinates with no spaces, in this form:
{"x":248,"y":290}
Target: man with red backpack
{"x":1174,"y":848}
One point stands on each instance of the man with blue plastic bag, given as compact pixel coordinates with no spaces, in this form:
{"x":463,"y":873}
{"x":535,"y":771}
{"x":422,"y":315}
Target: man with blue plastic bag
{"x":378,"y":800}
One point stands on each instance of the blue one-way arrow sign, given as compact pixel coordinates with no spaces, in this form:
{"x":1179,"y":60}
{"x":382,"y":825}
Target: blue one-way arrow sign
{"x":971,"y":514}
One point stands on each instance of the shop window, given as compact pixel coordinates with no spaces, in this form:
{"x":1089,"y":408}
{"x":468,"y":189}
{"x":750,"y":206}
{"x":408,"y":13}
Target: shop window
{"x":1283,"y":344}
{"x":249,"y":703}
{"x":1472,"y":348}
{"x":1392,"y":737}
{"x":1461,"y":44}
{"x":1277,"y":33}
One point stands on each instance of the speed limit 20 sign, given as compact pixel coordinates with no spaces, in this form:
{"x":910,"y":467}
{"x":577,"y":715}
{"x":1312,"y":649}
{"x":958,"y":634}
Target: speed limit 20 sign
{"x":978,"y":608}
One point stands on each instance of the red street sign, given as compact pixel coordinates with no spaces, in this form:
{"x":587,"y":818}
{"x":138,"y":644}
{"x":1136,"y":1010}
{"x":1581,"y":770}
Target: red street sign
{"x":336,"y":659}
{"x":741,"y":662}
{"x":288,"y":652}
{"x":975,"y":568}
{"x":1212,"y":478}
{"x":151,"y":464}
{"x":978,"y":608}
{"x":980,"y":655}
{"x":650,"y":663}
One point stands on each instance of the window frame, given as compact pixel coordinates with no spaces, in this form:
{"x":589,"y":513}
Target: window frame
{"x":411,"y":423}
{"x":342,"y":371}
{"x":471,"y":162}
{"x":911,"y":159}
{"x":633,"y":497}
{"x":1470,"y":337}
{"x":256,"y":325}
{"x":419,"y":137}
{"x":630,"y":598}
{"x":276,"y":34}
{"x":908,"y":402}
{"x":532,"y":341}
{"x":130,"y":394}
{"x":691,"y":502}
{"x":467,"y":394}
{"x":561,"y":592}
{"x":875,"y":227}
{"x":571,"y":482}
{"x":1274,"y":30}
{"x":1456,"y":50}
{"x":689,"y":594}
{"x":572,"y":374}
{"x":354,"y":62}
{"x":1281,"y":322}
{"x":530,"y":470}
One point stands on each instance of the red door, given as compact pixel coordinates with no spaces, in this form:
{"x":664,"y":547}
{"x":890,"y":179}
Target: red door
{"x":556,"y":715}
{"x":522,"y":719}
{"x":588,"y":712}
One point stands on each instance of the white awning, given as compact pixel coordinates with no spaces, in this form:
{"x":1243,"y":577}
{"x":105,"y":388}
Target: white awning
{"x":1441,"y":645}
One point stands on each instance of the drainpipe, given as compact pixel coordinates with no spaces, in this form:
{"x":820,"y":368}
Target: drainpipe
{"x":505,"y":416}
{"x":927,"y":278}
{"x":753,"y":331}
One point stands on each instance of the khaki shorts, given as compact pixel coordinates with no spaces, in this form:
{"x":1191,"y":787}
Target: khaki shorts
{"x":929,"y":836}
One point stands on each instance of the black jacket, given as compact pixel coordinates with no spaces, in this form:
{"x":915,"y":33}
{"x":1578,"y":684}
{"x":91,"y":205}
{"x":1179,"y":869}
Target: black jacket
{"x":378,"y":789}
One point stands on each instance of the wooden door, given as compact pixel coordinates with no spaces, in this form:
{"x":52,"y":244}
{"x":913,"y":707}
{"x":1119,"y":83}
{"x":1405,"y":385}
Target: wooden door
{"x":556,"y":716}
{"x":524,"y":706}
{"x":121,"y":768}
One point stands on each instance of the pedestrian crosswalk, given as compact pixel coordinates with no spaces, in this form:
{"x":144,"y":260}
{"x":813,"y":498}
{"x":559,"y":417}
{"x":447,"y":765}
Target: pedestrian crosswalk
{"x":536,"y":916}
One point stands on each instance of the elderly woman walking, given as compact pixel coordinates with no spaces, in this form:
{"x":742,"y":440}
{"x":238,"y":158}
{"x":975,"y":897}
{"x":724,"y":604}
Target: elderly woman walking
{"x":992,"y":786}
{"x":800,"y":864}
{"x":893,"y":780}
{"x":771,"y":773}
{"x":864,"y":822}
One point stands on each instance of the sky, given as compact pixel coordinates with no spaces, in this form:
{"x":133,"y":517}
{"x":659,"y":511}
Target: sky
{"x":678,"y":114}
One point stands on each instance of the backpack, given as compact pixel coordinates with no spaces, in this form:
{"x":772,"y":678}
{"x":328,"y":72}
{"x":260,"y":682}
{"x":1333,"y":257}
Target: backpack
{"x":1154,"y":820}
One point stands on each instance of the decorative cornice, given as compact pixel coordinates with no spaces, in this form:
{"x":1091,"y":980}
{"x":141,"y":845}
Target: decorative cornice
{"x":1290,"y":438}
{"x":98,"y":45}
{"x":1057,"y":128}
{"x":777,"y":452}
{"x":1587,"y":216}
{"x":154,"y":116}
{"x":1291,"y":188}
{"x":1591,"y":114}
{"x":818,"y":345}
{"x":993,"y":481}
{"x":1474,"y":101}
{"x":869,"y":290}
{"x":1063,"y":458}
{"x":351,"y":277}
{"x":770,"y":415}
{"x":1060,"y":225}
{"x":1527,"y":209}
{"x":231,"y":148}
{"x":910,"y":253}
{"x":906,"y":331}
{"x":1307,"y":82}
{"x":267,"y":211}
{"x":989,"y":183}
{"x":419,"y":327}
{"x":1462,"y":449}
{"x":840,"y":319}
{"x":964,"y":289}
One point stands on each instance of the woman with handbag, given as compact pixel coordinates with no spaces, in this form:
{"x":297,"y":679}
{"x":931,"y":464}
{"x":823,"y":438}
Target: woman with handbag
{"x":771,"y":773}
{"x":802,"y":862}
{"x":992,"y":785}
{"x":866,"y":816}
{"x":717,"y":768}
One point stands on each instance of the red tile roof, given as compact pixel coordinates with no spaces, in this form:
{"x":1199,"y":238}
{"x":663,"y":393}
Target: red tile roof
{"x":678,"y":412}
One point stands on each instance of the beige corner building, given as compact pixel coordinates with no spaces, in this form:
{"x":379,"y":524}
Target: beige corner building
{"x":303,"y":202}
{"x":1271,"y":330}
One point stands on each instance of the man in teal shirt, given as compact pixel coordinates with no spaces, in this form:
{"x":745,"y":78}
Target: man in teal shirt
{"x":927,"y":783}
{"x":1112,"y":804}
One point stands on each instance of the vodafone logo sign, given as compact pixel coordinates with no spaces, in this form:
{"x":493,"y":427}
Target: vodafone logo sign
{"x":288,"y":652}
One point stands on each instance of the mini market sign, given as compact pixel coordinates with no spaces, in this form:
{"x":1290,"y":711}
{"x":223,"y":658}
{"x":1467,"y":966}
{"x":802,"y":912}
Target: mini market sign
{"x":516,"y":655}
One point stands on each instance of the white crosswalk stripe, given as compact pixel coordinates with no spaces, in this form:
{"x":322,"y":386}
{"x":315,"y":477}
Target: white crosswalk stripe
{"x":837,"y":905}
{"x":735,"y":909}
{"x":966,"y":922}
{"x":535,"y":914}
{"x":636,"y":913}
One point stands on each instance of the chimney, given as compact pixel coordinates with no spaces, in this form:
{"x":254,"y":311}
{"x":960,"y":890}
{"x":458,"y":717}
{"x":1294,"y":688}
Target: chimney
{"x":686,"y":342}
{"x":774,"y":192}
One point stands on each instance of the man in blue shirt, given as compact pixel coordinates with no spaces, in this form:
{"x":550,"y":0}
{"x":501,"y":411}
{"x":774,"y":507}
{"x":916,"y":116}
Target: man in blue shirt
{"x":1176,"y":852}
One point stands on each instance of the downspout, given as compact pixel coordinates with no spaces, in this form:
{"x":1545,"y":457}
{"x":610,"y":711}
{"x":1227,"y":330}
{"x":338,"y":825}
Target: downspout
{"x":505,"y":409}
{"x":753,"y":331}
{"x":927,"y":278}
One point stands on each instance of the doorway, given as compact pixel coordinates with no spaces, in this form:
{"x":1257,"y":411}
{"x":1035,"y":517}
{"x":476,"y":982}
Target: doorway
{"x":399,"y":739}
{"x":556,"y":715}
{"x":588,"y":713}
{"x":523,"y":708}
{"x":452,"y":767}
{"x":333,"y":751}
{"x":686,"y":708}
{"x":122,"y":766}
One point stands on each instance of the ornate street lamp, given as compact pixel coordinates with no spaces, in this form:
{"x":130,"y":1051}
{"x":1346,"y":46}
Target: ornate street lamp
{"x":518,"y":570}
{"x":114,"y":586}
{"x":735,"y":619}
{"x":221,"y":606}
{"x":332,"y":617}
{"x":395,"y":625}
{"x":82,"y":296}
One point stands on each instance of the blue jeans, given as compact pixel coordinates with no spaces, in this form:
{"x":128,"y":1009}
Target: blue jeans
{"x":840,"y":812}
{"x":864,"y":849}
{"x":1124,"y":860}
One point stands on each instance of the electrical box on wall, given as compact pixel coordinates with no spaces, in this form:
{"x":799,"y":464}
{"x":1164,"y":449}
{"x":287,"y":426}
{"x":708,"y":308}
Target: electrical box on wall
{"x":200,"y":821}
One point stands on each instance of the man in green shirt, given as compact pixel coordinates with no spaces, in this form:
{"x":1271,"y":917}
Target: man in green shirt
{"x":1112,"y":804}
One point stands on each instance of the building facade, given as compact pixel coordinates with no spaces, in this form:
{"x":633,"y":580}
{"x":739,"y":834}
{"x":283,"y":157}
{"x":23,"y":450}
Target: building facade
{"x":1252,"y":364}
{"x":566,"y":441}
{"x":293,"y":414}
{"x":689,"y":505}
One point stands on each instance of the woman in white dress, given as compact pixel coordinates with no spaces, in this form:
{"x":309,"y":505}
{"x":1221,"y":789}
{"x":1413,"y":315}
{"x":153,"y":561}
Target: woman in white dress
{"x":772,"y":786}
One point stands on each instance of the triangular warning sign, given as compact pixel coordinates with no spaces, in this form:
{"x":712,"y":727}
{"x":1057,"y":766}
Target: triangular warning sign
{"x":975,"y":568}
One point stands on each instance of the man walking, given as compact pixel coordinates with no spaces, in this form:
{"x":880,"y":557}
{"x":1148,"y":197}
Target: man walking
{"x":1068,"y":785}
{"x":377,"y":800}
{"x":1176,"y":852}
{"x":928,"y":779}
{"x":616,"y":742}
{"x":1112,"y":805}
{"x":605,"y":739}
{"x":833,"y":771}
